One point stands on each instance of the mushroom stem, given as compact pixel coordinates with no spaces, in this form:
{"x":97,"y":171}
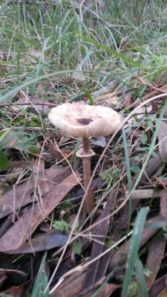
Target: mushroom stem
{"x":89,"y":203}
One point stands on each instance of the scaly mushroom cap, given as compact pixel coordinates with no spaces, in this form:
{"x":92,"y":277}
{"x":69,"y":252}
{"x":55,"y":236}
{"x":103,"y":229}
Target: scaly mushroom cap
{"x":83,"y":120}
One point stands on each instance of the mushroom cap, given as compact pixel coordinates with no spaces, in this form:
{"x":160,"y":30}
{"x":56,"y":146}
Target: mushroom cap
{"x":83,"y":120}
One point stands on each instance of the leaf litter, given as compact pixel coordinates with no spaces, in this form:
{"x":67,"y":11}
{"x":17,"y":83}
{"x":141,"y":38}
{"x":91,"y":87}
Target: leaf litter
{"x":33,"y":216}
{"x":29,"y":200}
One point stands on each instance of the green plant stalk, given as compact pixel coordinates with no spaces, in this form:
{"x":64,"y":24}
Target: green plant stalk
{"x":133,"y":250}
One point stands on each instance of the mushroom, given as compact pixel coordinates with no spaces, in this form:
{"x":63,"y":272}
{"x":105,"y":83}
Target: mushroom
{"x":83,"y":120}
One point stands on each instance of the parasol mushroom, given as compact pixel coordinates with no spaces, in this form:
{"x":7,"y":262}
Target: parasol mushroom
{"x":83,"y":120}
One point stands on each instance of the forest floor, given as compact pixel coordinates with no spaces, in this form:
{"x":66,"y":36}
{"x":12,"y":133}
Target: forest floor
{"x":110,"y":53}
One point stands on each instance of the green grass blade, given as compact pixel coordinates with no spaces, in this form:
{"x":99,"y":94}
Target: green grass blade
{"x":127,"y":160}
{"x":139,"y":273}
{"x":41,"y":281}
{"x":133,"y":250}
{"x":128,"y":171}
{"x":13,"y":91}
{"x":111,"y":52}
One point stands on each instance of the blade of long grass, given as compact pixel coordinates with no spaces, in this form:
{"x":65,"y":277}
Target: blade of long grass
{"x":139,"y":273}
{"x":41,"y":281}
{"x":29,"y":82}
{"x":111,"y":52}
{"x":128,"y":171}
{"x":133,"y":250}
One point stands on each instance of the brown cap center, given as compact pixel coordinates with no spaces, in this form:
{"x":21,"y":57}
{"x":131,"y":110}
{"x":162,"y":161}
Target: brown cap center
{"x":84,"y":121}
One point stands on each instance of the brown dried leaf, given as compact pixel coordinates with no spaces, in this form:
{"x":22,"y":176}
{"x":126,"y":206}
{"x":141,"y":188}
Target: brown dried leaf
{"x":43,"y":242}
{"x":7,"y":274}
{"x":158,"y":287}
{"x":120,"y":256}
{"x":109,"y":99}
{"x":29,"y":221}
{"x":163,"y":204}
{"x":155,"y":256}
{"x":15,"y":170}
{"x":71,"y":286}
{"x":163,"y":293}
{"x":15,"y":291}
{"x":144,"y":194}
{"x":105,"y":291}
{"x":25,"y":191}
{"x":95,"y":271}
{"x":127,"y":100}
{"x":152,"y":166}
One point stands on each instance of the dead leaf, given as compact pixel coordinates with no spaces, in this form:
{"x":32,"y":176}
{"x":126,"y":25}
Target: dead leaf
{"x":163,"y":204}
{"x":25,"y":191}
{"x":109,"y":99}
{"x":99,"y":141}
{"x":58,"y":154}
{"x":140,"y":113}
{"x":127,"y":100}
{"x":158,"y":286}
{"x":152,"y":166}
{"x":144,"y":194}
{"x":105,"y":291}
{"x":161,"y":78}
{"x":71,"y":286}
{"x":15,"y":291}
{"x":120,"y":256}
{"x":95,"y":271}
{"x":163,"y":293}
{"x":22,"y":230}
{"x":7,"y":274}
{"x":162,"y":138}
{"x":155,"y":256}
{"x":8,"y":222}
{"x":33,"y":104}
{"x":42,"y":242}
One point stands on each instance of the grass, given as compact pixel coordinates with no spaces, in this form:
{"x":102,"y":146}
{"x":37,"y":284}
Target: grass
{"x":64,"y":51}
{"x":132,"y":259}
